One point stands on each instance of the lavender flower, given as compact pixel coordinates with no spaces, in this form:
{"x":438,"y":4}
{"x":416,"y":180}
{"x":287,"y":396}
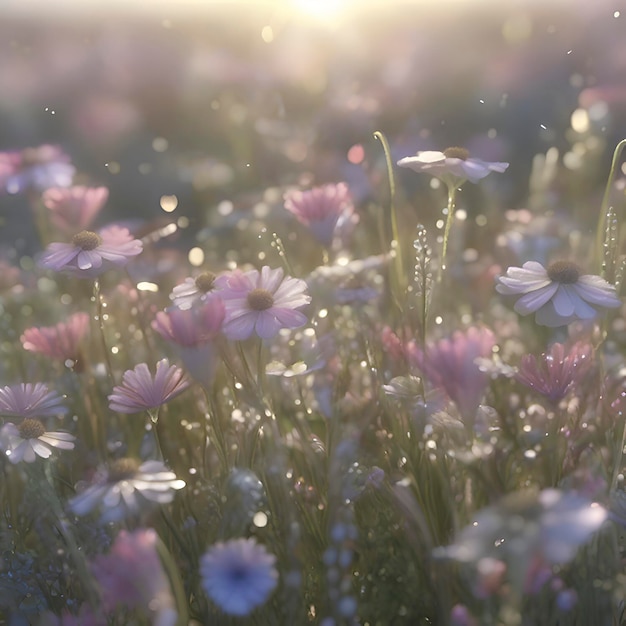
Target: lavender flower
{"x":321,"y":209}
{"x":60,"y":341}
{"x":91,"y":254}
{"x":238,"y":575}
{"x":451,"y":364}
{"x":30,"y":439}
{"x":558,"y":295}
{"x":555,"y":372}
{"x":191,"y":327}
{"x":131,"y":576}
{"x":453,"y":166}
{"x":140,"y":391}
{"x":37,"y":168}
{"x":125,"y":488}
{"x":193,"y":331}
{"x":74,"y":209}
{"x":30,"y":400}
{"x":262,"y":303}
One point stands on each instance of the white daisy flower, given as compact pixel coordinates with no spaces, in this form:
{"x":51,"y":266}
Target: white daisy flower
{"x":30,"y":439}
{"x":187,"y":293}
{"x":126,"y":487}
{"x":453,"y":166}
{"x":558,"y":295}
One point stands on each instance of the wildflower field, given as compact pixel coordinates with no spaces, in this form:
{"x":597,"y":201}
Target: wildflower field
{"x":313,"y":316}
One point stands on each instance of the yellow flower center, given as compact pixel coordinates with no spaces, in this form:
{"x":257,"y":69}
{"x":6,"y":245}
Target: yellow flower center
{"x":205,"y":281}
{"x":564,"y":272}
{"x":122,"y":469}
{"x":87,"y":240}
{"x":31,"y":429}
{"x":456,"y":153}
{"x":260,"y":299}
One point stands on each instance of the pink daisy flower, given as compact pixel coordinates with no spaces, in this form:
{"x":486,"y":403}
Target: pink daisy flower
{"x":74,"y":209}
{"x":263,"y":303}
{"x":320,"y":209}
{"x":91,"y":254}
{"x":60,"y":341}
{"x":140,"y":391}
{"x":557,"y":371}
{"x":30,"y":400}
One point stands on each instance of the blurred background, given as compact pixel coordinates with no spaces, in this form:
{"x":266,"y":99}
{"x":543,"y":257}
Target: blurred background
{"x":217,"y":102}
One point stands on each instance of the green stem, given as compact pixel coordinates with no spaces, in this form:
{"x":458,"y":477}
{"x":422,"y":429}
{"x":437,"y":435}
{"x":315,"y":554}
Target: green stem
{"x":99,"y":309}
{"x":599,"y":252}
{"x":177,"y":584}
{"x":395,"y":235}
{"x":446,"y":232}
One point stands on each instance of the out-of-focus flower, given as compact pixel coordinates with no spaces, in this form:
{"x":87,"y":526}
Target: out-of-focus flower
{"x":30,"y":439}
{"x":131,"y":575}
{"x":61,"y":341}
{"x":451,"y":364}
{"x":37,"y":168}
{"x":559,"y":295}
{"x":193,"y":290}
{"x":91,"y":254}
{"x":263,"y":303}
{"x":555,"y":372}
{"x":453,"y":166}
{"x":193,"y":331}
{"x":191,"y":327}
{"x":30,"y":400}
{"x":321,"y":209}
{"x":238,"y":575}
{"x":125,"y":488}
{"x":140,"y":391}
{"x":74,"y":209}
{"x":527,"y":527}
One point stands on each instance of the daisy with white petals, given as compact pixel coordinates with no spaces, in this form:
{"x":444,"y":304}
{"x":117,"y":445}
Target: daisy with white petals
{"x":125,"y":488}
{"x":453,"y":165}
{"x":558,"y":295}
{"x":30,"y":439}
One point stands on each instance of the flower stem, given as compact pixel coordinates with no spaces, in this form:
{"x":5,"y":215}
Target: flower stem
{"x":177,"y":584}
{"x":604,"y":207}
{"x":446,"y":232}
{"x":99,"y":308}
{"x":399,"y":283}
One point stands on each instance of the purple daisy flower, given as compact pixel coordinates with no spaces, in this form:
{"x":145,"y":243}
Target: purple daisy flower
{"x":91,"y":254}
{"x":453,"y":166}
{"x":30,"y":439}
{"x":320,"y":209}
{"x":558,"y":295}
{"x":262,"y":303}
{"x":238,"y":575}
{"x":30,"y":400}
{"x":140,"y":391}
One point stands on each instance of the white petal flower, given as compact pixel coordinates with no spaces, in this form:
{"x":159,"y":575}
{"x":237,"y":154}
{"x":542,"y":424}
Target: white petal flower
{"x":558,"y":295}
{"x":453,"y":166}
{"x":125,"y":488}
{"x":30,"y":439}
